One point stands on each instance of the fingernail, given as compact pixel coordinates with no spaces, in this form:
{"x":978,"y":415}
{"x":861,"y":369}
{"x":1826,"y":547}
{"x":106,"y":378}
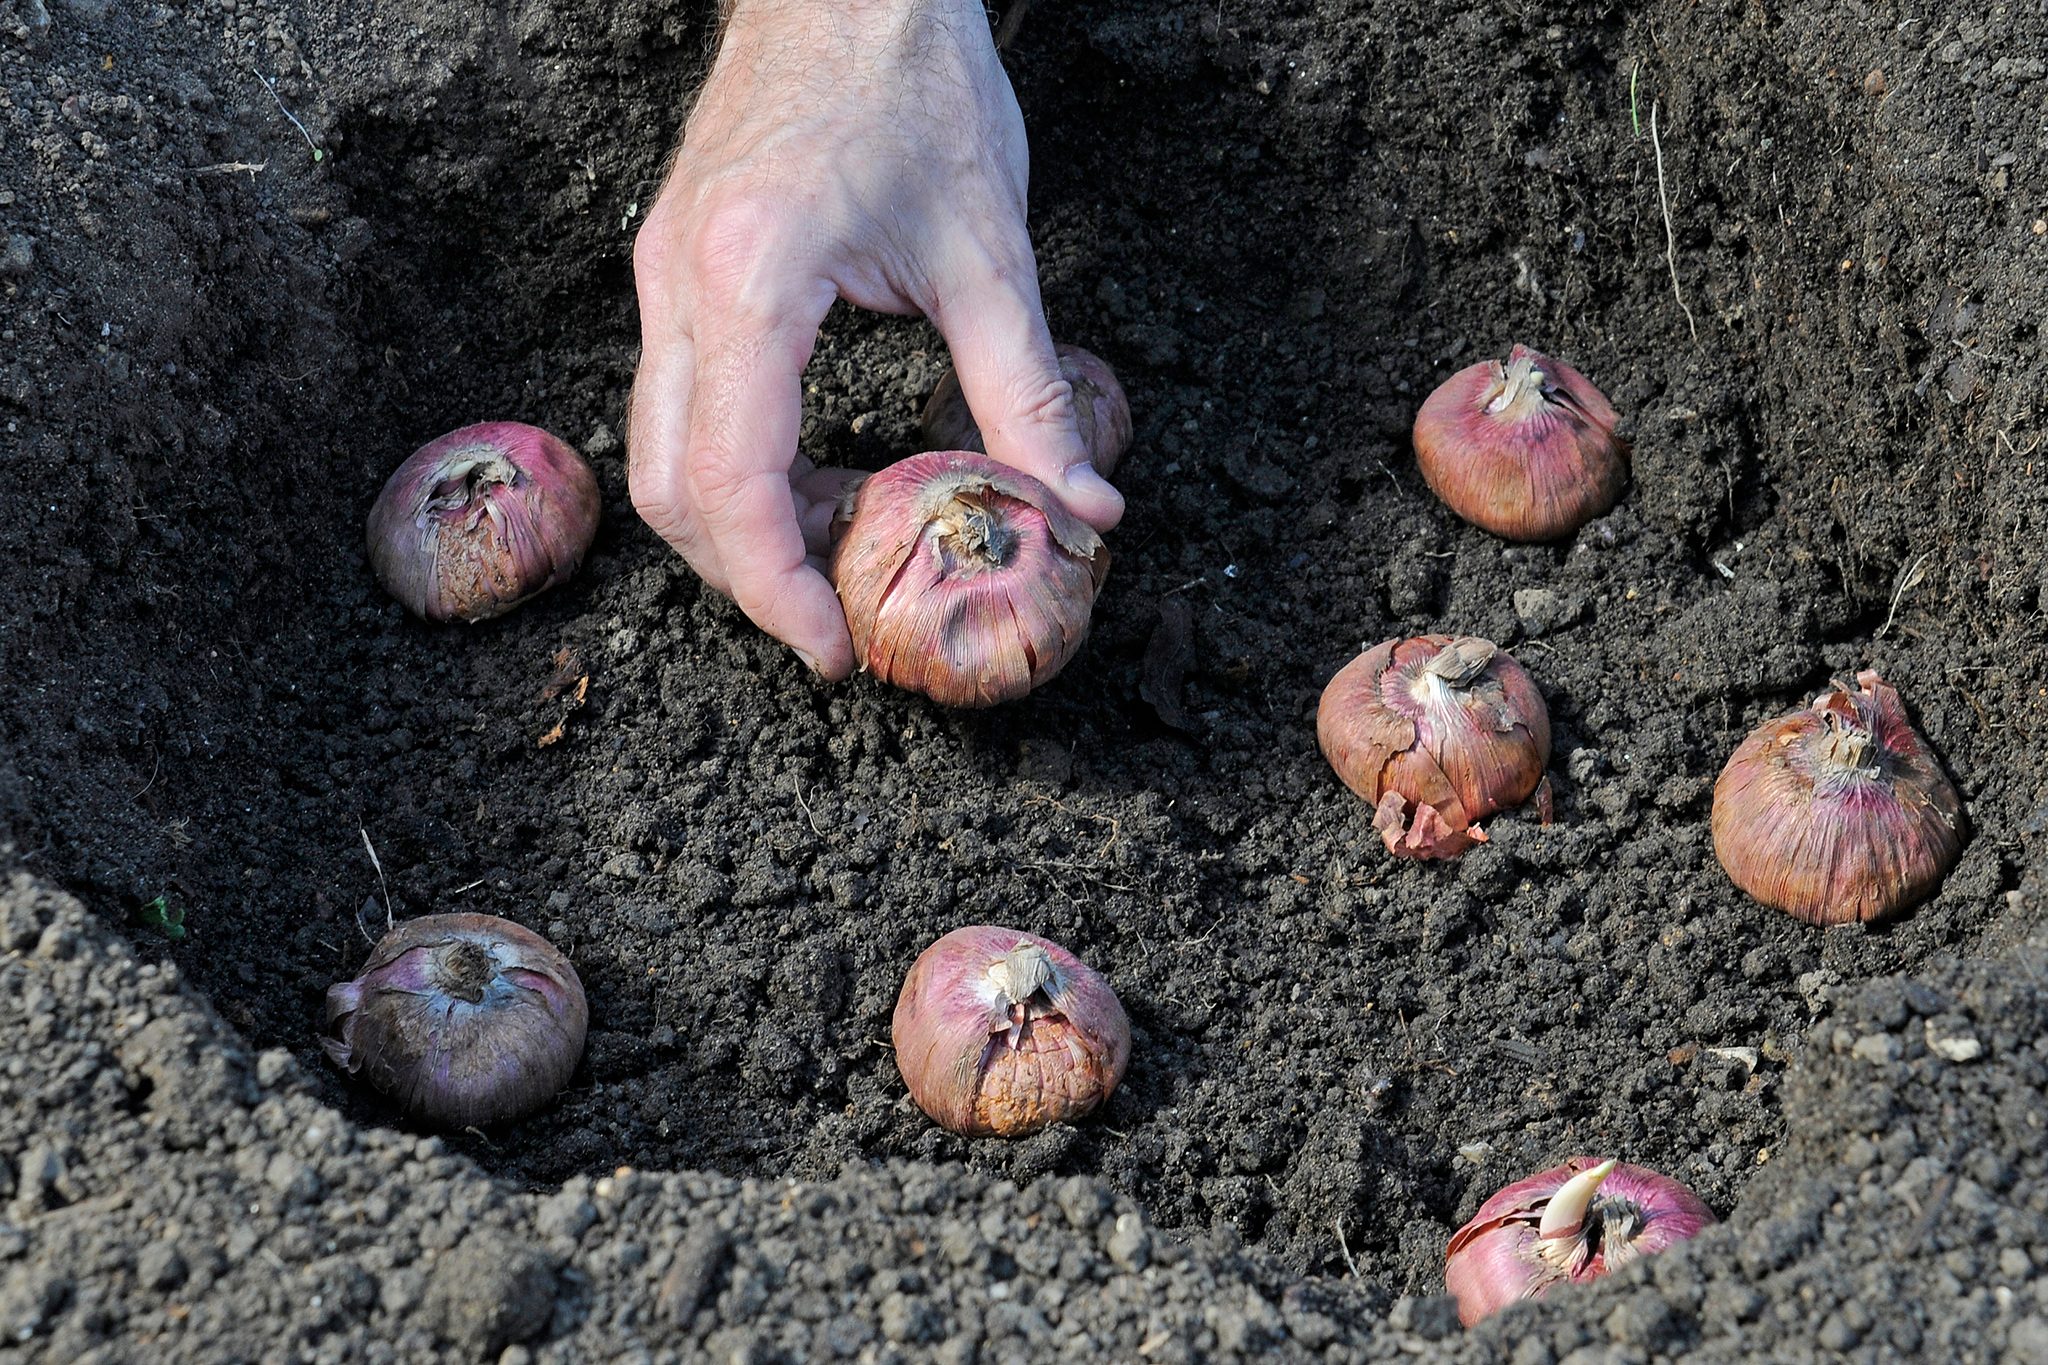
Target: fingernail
{"x":810,"y":660}
{"x":1082,"y":480}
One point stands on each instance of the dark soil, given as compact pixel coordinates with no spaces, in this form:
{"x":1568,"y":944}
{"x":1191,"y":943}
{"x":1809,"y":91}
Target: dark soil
{"x":1282,"y":222}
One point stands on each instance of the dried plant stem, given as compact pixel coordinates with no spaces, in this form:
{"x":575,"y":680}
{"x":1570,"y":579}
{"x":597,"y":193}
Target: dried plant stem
{"x":377,"y":863}
{"x":1344,"y":1245}
{"x":318,"y":154}
{"x":1909,"y":578}
{"x":1670,"y":236}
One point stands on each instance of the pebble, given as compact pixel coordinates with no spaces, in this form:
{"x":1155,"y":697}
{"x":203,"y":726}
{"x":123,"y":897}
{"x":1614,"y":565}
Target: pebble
{"x":29,"y":1299}
{"x":490,"y":1292}
{"x":18,"y":256}
{"x":2027,"y":1342}
{"x":159,"y":1267}
{"x":43,"y":1181}
{"x":626,"y":866}
{"x":272,"y":1066}
{"x":906,"y":1320}
{"x":1130,"y":1246}
{"x":1643,"y":1319}
{"x":57,"y":943}
{"x":1083,"y":1201}
{"x":1836,"y":1334}
{"x":294,"y":1180}
{"x":20,"y":927}
{"x":1433,"y":1318}
{"x":1541,"y":611}
{"x":1818,"y":988}
{"x":1948,"y":1038}
{"x":690,"y":1276}
{"x":564,"y":1214}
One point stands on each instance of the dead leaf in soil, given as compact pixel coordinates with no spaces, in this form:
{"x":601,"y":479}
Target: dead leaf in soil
{"x":1168,"y":657}
{"x":569,"y":673}
{"x":571,"y":679}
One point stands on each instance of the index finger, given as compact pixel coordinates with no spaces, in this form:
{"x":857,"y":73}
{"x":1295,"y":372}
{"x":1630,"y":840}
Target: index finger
{"x":657,"y":436}
{"x":746,"y":406}
{"x":1010,"y":374}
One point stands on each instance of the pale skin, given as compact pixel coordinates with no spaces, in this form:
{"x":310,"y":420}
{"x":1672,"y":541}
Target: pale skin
{"x":869,"y":150}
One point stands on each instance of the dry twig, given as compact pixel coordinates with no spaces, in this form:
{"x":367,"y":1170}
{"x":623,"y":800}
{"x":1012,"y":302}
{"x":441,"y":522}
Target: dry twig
{"x":1670,"y":236}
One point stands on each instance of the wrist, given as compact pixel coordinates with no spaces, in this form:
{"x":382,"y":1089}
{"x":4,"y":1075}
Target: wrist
{"x":856,"y":10}
{"x":853,"y":34}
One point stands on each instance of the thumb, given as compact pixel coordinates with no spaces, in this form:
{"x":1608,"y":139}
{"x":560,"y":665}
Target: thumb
{"x":994,"y":325}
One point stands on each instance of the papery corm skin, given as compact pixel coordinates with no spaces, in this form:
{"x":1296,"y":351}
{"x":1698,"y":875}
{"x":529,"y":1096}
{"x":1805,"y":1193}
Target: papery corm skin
{"x":962,"y":578}
{"x":1437,"y":732}
{"x":1839,"y":811}
{"x":999,"y":1033}
{"x":1525,"y":450}
{"x":476,"y":522}
{"x":1102,"y":412}
{"x":1570,"y":1224}
{"x":463,"y":1020}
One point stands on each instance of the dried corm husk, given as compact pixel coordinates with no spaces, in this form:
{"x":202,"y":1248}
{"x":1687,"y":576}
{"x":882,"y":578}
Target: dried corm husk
{"x":1525,"y":450}
{"x":1840,"y":811}
{"x":963,"y":579}
{"x":1437,"y":732}
{"x":1570,"y":1224}
{"x":1101,"y":411}
{"x":476,"y":522}
{"x":463,"y":1020}
{"x":999,"y":1033}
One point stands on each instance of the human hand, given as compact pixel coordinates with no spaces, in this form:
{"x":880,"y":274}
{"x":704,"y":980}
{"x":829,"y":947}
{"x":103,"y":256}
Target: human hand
{"x":869,"y":150}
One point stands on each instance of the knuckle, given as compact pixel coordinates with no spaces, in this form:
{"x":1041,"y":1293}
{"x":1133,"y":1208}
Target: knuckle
{"x":1037,"y":427}
{"x":657,"y":251}
{"x":715,"y":483}
{"x":648,"y":486}
{"x":656,"y":505}
{"x":728,"y":242}
{"x":711,"y":250}
{"x":1047,"y":402}
{"x":648,"y":479}
{"x":653,"y":252}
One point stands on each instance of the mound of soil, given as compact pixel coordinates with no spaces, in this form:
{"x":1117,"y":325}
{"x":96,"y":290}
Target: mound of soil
{"x":252,"y":253}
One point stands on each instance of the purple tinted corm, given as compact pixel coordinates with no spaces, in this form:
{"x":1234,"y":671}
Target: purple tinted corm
{"x":474,"y":523}
{"x":1570,"y":1224}
{"x":463,"y":1020}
